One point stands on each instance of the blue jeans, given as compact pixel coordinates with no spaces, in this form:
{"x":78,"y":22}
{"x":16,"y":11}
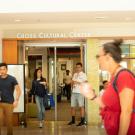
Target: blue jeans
{"x":41,"y":108}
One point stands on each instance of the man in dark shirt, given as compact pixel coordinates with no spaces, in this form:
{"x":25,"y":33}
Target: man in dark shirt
{"x":8,"y":84}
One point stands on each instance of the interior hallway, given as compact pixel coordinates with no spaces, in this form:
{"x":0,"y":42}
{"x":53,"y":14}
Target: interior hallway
{"x":56,"y":128}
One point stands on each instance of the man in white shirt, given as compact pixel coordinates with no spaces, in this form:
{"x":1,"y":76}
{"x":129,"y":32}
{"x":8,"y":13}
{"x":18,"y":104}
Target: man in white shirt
{"x":77,"y":98}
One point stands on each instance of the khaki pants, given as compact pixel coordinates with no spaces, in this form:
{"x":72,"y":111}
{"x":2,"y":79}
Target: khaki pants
{"x":6,"y":114}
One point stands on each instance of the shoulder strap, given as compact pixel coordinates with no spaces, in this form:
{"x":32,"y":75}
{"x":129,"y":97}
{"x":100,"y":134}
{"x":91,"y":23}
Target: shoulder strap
{"x":116,"y":77}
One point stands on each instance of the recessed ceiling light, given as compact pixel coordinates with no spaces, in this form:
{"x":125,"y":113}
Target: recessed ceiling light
{"x":100,"y":17}
{"x":18,"y":20}
{"x":128,"y":18}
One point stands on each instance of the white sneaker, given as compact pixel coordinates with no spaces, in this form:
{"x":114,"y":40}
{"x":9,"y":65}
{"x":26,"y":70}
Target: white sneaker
{"x":40,"y":124}
{"x":102,"y":126}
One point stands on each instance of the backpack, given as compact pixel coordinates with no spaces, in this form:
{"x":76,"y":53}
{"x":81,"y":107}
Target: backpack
{"x":116,"y":77}
{"x":115,"y":81}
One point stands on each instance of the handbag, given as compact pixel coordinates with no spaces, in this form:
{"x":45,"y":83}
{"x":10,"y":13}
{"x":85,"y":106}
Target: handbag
{"x":46,"y":102}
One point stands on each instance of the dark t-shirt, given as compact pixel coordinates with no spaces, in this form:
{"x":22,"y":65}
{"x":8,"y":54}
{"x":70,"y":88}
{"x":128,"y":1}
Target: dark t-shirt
{"x":38,"y":89}
{"x":7,"y":86}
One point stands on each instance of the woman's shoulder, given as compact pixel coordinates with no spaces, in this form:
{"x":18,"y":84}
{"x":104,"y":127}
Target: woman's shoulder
{"x":126,"y":74}
{"x":33,"y":81}
{"x":126,"y":79}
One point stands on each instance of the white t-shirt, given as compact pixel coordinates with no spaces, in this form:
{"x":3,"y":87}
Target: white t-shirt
{"x":79,"y":77}
{"x":68,"y":79}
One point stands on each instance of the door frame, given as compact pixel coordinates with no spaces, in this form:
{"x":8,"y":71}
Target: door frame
{"x":62,"y":45}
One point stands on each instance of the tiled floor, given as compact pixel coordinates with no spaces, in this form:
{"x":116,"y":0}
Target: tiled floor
{"x":56,"y":128}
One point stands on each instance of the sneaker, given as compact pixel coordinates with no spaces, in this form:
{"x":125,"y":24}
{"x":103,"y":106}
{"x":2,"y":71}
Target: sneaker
{"x":40,"y":124}
{"x":102,"y":126}
{"x":80,"y":123}
{"x":71,"y":123}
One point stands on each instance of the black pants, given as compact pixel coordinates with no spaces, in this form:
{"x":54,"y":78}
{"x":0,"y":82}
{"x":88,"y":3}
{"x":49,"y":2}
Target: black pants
{"x":68,"y":91}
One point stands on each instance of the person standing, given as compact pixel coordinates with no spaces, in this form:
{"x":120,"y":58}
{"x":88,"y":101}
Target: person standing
{"x":8,"y":84}
{"x":77,"y":98}
{"x":67,"y":81}
{"x":39,"y":86}
{"x":105,"y":84}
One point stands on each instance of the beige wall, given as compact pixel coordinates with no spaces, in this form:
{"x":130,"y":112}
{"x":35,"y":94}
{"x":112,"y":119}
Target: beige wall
{"x":94,"y":29}
{"x":93,"y":79}
{"x":70,"y":65}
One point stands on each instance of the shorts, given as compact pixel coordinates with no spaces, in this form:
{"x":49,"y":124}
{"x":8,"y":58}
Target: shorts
{"x":77,"y":99}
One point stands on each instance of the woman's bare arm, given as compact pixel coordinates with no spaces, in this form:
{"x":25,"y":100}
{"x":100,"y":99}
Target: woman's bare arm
{"x":126,"y":103}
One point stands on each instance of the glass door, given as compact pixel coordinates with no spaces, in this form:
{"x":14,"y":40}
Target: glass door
{"x":67,"y":57}
{"x":42,"y":57}
{"x":54,"y":60}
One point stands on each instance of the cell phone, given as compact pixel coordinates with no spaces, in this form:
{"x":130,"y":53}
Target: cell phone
{"x":42,"y":82}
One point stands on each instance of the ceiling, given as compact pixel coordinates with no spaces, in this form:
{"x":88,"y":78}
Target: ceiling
{"x":21,"y":6}
{"x":67,"y":17}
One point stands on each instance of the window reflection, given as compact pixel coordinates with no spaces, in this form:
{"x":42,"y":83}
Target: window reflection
{"x":128,"y":55}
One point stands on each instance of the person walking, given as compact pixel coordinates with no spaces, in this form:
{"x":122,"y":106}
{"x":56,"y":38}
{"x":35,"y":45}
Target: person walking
{"x":8,"y":84}
{"x":67,"y":81}
{"x":39,"y":86}
{"x":118,"y":100}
